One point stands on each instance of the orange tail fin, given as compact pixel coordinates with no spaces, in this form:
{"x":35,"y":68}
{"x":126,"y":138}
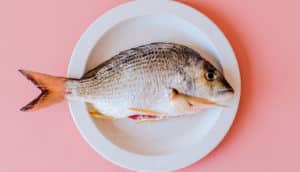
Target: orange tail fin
{"x":52,"y":90}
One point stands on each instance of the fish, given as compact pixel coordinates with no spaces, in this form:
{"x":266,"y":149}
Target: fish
{"x":153,"y":81}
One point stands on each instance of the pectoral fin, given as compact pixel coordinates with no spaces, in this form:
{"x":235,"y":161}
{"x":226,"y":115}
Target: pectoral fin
{"x":186,"y":103}
{"x":95,"y":113}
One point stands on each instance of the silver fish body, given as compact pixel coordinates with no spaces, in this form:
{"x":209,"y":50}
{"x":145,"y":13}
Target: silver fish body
{"x":145,"y":77}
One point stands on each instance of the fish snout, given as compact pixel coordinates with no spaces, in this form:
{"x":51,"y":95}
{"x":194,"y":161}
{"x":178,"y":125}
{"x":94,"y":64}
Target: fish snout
{"x":227,"y":88}
{"x":226,"y":92}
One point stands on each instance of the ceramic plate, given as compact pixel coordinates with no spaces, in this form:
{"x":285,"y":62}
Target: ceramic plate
{"x":165,"y":145}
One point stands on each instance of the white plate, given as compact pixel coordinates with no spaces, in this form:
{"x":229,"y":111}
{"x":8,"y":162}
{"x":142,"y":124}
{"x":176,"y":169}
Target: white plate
{"x":166,"y":145}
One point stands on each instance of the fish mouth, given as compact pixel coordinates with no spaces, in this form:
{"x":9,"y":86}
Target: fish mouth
{"x":227,"y":90}
{"x":225,"y":94}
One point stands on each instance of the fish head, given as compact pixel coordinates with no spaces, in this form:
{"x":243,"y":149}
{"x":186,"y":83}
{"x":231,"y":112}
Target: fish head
{"x":212,"y":83}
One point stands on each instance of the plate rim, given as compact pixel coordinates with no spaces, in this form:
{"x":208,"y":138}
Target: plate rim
{"x":85,"y":125}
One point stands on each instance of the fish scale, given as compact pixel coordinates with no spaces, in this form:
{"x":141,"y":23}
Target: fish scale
{"x":140,"y":63}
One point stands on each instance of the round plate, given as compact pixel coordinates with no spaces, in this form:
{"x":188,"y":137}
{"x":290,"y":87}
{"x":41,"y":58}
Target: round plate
{"x":164,"y":145}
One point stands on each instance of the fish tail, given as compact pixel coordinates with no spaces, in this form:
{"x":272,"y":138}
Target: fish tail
{"x":52,"y":90}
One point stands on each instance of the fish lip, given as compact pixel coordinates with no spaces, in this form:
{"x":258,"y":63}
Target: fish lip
{"x":227,"y":90}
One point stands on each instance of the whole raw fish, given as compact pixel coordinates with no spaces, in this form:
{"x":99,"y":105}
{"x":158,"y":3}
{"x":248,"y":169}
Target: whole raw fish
{"x":156,"y":80}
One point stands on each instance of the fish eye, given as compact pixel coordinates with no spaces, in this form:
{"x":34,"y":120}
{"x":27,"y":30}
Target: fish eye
{"x":210,"y":75}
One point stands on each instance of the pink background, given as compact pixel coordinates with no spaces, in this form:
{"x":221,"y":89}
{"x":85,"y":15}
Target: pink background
{"x":40,"y":35}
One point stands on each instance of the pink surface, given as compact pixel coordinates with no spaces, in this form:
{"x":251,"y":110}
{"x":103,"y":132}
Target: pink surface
{"x":40,"y":35}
